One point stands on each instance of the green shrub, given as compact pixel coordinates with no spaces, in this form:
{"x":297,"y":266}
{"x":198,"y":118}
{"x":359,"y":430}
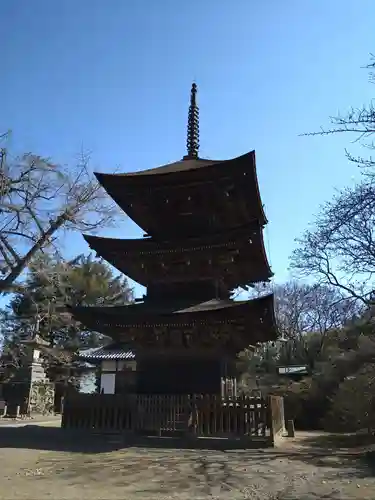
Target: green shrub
{"x":353,"y":405}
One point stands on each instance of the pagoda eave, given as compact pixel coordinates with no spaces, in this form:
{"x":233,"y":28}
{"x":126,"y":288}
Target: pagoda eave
{"x":160,"y":199}
{"x":215,"y":324}
{"x":235,"y":258}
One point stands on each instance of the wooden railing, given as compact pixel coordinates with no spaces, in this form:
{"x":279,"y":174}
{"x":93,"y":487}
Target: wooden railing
{"x":160,"y":413}
{"x":97,"y":411}
{"x":241,"y":416}
{"x":200,"y":415}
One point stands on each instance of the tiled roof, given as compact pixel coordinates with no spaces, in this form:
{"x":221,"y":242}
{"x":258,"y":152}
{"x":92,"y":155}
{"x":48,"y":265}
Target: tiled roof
{"x":177,"y":166}
{"x":139,"y":311}
{"x":107,"y":352}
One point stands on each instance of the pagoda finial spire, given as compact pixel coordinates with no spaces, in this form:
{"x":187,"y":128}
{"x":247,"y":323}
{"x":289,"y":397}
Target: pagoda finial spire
{"x":192,"y":141}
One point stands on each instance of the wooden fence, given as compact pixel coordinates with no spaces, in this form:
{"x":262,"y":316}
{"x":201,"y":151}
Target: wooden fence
{"x":198,"y":415}
{"x":241,"y":416}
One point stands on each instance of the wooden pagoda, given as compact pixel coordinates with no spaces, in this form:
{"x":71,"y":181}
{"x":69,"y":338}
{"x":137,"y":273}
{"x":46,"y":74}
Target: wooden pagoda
{"x":203,"y":222}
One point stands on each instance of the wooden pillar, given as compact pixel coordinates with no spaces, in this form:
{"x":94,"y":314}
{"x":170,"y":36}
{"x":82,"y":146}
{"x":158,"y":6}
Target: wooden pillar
{"x":228,"y":379}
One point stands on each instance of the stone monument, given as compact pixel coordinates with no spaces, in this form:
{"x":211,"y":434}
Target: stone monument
{"x":41,"y":391}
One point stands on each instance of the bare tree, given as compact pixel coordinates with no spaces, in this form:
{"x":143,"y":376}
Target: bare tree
{"x":359,"y":121}
{"x":37,"y":200}
{"x":339,"y":249}
{"x":306,"y":315}
{"x":302,"y":307}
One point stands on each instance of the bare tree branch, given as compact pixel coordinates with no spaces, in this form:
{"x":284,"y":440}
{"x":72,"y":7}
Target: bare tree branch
{"x":339,"y":249}
{"x":359,"y":121}
{"x":37,"y":200}
{"x":306,"y":316}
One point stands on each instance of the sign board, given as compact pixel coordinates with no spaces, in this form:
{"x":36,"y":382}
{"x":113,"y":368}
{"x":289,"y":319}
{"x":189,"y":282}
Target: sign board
{"x":292,"y":370}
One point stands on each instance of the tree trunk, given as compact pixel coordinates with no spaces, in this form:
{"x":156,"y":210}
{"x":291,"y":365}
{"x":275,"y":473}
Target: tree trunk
{"x":6,"y":283}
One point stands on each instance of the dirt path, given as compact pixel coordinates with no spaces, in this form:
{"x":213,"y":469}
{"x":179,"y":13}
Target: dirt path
{"x":54,"y":420}
{"x":43,"y":463}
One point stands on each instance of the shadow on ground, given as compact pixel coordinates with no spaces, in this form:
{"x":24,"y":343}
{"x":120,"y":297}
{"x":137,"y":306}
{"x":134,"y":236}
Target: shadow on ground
{"x":37,"y":437}
{"x":339,"y":441}
{"x":341,"y":451}
{"x":346,"y":454}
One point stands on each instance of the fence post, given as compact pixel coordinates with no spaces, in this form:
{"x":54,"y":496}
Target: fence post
{"x":63,"y":414}
{"x":193,"y":416}
{"x":276,"y":416}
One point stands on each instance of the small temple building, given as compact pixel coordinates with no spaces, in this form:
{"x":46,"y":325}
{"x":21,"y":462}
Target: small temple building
{"x":114,"y":369}
{"x":203,"y":226}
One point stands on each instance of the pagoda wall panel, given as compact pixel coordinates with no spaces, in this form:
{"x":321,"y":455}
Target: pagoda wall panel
{"x":196,"y":291}
{"x":174,"y":375}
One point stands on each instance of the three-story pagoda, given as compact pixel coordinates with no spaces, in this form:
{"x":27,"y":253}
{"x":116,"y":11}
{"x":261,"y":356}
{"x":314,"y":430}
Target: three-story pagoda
{"x":203,"y":222}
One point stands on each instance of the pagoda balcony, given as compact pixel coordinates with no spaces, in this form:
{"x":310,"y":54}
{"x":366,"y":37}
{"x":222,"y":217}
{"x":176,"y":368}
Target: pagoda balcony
{"x":235,"y":258}
{"x":189,"y":197}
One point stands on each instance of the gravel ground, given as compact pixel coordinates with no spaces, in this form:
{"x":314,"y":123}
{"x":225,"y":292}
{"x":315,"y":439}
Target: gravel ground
{"x":45,"y":462}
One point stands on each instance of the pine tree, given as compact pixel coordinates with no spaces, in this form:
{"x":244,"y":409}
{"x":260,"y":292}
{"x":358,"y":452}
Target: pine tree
{"x":40,"y":307}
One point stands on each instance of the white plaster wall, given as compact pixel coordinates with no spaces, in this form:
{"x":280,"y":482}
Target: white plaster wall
{"x":107,"y":383}
{"x":108,"y":366}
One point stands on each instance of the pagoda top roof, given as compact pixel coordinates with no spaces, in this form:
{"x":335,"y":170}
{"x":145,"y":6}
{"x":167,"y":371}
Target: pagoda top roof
{"x":192,"y":195}
{"x":177,"y":166}
{"x":202,"y":167}
{"x":186,"y":196}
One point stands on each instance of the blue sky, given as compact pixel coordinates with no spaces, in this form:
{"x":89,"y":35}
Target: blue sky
{"x":114,"y":77}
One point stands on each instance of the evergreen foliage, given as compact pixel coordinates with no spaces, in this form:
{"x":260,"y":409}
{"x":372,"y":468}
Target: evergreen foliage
{"x":40,"y":307}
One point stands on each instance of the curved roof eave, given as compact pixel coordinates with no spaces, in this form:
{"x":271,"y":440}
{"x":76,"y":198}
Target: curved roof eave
{"x":172,"y":171}
{"x":95,"y":243}
{"x":141,"y":309}
{"x":120,"y":318}
{"x":119,"y":185}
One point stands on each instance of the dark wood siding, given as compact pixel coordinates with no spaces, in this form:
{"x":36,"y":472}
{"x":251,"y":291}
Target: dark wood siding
{"x":179,"y":376}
